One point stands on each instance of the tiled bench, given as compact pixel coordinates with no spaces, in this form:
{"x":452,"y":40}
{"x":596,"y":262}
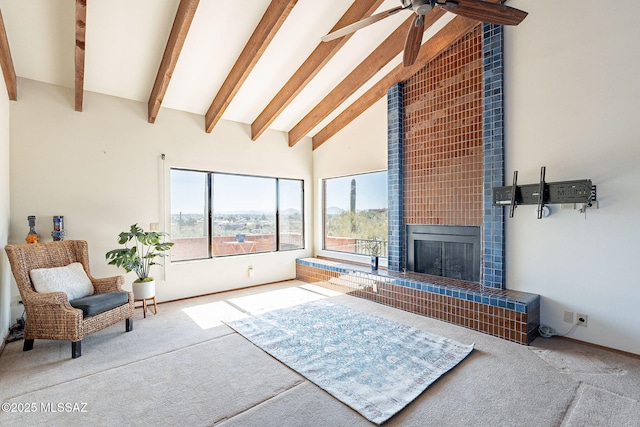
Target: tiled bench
{"x":511,"y":315}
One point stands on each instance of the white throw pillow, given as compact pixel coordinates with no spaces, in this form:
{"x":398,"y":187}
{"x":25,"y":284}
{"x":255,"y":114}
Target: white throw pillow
{"x":70,"y":279}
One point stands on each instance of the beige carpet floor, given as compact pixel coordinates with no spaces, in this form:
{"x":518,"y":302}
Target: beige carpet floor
{"x":184,"y":367}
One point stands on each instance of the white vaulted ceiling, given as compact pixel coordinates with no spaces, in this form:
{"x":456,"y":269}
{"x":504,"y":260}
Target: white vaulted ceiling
{"x":125,"y":41}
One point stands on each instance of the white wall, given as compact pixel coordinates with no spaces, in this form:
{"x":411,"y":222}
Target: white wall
{"x":5,"y":272}
{"x":102,"y":170}
{"x":572,"y":96}
{"x":359,"y":147}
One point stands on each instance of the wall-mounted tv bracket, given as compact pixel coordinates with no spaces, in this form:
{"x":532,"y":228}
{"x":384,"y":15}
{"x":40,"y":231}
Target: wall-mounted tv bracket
{"x":512,"y":202}
{"x":541,"y":186}
{"x":544,"y":193}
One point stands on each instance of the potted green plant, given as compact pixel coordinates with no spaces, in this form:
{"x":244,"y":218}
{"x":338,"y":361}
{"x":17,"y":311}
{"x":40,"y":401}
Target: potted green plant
{"x":141,"y":248}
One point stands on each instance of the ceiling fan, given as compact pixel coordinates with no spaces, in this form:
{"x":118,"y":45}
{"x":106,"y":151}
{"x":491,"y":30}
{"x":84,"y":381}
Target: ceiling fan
{"x":493,"y":13}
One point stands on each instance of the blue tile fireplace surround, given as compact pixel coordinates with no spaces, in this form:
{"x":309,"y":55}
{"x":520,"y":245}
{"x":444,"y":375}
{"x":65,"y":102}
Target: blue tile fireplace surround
{"x":486,"y":306}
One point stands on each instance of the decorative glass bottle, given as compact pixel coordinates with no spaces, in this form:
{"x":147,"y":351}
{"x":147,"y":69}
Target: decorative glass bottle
{"x":32,"y":237}
{"x":58,"y":228}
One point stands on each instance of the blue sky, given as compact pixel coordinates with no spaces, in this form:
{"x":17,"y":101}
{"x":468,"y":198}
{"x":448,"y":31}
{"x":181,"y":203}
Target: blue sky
{"x":371,"y":191}
{"x":242,"y":193}
{"x":187,"y":191}
{"x":232,"y":193}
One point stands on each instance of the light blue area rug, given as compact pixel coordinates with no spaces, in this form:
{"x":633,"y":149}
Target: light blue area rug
{"x":374,"y":365}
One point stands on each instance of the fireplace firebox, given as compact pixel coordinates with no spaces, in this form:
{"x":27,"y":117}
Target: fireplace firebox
{"x":451,"y":251}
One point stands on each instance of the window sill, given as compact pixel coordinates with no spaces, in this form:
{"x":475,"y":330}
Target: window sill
{"x":364,"y":260}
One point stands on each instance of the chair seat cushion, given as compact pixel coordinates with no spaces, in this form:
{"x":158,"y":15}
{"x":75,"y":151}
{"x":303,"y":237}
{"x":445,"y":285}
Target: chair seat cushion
{"x":99,"y":303}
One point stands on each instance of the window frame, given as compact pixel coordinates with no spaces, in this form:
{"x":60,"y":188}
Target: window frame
{"x":348,"y":256}
{"x":209,"y":200}
{"x":302,"y":224}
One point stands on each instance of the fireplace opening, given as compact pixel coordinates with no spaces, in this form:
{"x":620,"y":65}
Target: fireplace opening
{"x":444,"y":250}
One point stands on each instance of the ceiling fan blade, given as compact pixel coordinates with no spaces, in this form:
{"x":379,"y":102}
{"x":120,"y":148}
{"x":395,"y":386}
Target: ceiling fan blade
{"x":493,"y":13}
{"x":414,"y":41}
{"x":361,"y":24}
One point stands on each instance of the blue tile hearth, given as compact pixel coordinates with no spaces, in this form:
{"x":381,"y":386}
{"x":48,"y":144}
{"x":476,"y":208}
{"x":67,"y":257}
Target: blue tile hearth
{"x":511,"y":315}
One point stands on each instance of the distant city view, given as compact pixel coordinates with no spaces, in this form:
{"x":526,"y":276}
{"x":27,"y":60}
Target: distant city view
{"x":230,"y":224}
{"x":243,"y":214}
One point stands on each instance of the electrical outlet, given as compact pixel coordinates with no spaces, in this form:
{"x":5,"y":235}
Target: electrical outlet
{"x":568,"y":316}
{"x":154,"y":226}
{"x":581,"y":319}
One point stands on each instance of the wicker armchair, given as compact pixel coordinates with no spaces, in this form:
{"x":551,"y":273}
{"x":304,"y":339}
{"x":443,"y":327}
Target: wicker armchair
{"x":49,"y":315}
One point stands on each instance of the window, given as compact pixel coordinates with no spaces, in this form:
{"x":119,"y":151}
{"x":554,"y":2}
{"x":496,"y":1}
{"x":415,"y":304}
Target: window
{"x":244,"y":214}
{"x":221,"y":214}
{"x":355,"y":214}
{"x":291,"y":218}
{"x":189,"y":214}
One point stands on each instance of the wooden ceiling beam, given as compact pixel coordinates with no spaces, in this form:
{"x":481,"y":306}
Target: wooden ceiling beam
{"x":179,"y":30}
{"x":6,"y":63}
{"x":388,"y":49}
{"x":81,"y":24}
{"x":441,"y":41}
{"x":311,"y":66}
{"x":269,"y":25}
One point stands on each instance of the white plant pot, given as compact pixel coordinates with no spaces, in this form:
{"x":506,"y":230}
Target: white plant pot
{"x":144,"y":290}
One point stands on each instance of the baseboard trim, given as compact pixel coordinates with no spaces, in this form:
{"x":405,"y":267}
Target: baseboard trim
{"x":602,"y":347}
{"x":221,"y":292}
{"x":4,"y":343}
